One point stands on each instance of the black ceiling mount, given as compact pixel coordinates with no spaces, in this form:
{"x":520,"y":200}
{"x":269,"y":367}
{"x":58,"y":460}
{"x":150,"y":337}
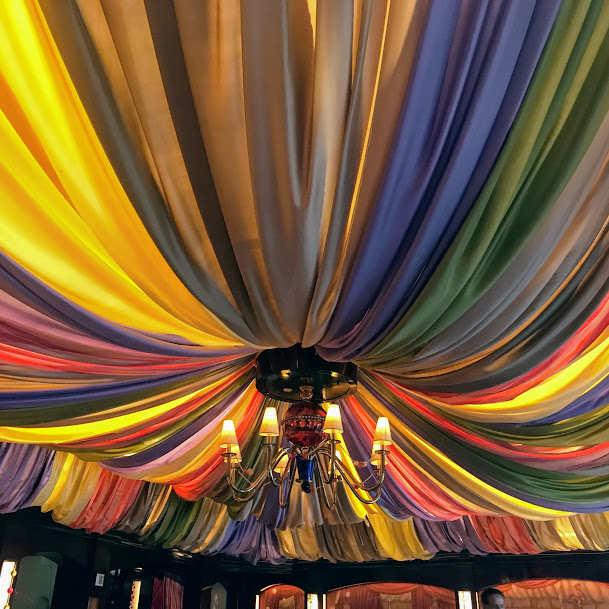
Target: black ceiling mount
{"x":295,"y":374}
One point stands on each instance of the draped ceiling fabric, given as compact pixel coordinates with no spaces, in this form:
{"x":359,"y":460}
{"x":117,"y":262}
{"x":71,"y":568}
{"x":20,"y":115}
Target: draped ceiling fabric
{"x":420,"y":187}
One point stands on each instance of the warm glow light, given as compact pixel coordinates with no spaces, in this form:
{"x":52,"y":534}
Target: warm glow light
{"x":135,"y":594}
{"x":312,"y":601}
{"x":270,"y":425}
{"x":382,"y":435}
{"x":283,"y":463}
{"x":228,"y":435}
{"x":234,"y":449}
{"x":465,"y":599}
{"x":333,"y":421}
{"x":375,"y":458}
{"x":9,"y":567}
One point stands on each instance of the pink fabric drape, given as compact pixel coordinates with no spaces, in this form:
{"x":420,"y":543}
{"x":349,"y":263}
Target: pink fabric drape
{"x":167,"y":594}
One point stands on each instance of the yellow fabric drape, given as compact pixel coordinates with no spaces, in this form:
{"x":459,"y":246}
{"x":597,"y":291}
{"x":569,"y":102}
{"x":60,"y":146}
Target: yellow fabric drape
{"x":56,"y":183}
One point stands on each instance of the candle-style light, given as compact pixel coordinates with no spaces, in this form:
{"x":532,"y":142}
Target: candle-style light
{"x":382,"y":435}
{"x":376,"y":458}
{"x":269,"y":426}
{"x":236,"y":451}
{"x":228,"y":436}
{"x":313,"y":459}
{"x":283,"y":463}
{"x":333,"y":420}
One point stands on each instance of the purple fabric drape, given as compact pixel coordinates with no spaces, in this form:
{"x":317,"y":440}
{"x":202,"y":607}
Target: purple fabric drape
{"x":473,"y":69}
{"x":24,"y":470}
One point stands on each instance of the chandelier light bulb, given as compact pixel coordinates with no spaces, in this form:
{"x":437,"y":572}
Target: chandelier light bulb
{"x":228,"y":436}
{"x":375,"y":458}
{"x":333,"y":421}
{"x":235,"y":450}
{"x":382,"y":435}
{"x":283,"y":463}
{"x":270,"y":425}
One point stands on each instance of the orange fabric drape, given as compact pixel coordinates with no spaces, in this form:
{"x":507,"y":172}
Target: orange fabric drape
{"x":368,"y":596}
{"x":556,"y":594}
{"x":278,"y":597}
{"x":539,"y":588}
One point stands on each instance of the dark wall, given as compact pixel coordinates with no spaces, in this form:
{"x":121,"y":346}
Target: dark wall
{"x":84,"y":555}
{"x":22,"y":538}
{"x":31,"y":532}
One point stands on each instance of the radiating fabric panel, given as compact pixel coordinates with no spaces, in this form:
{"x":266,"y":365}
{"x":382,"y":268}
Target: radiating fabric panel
{"x":475,"y":63}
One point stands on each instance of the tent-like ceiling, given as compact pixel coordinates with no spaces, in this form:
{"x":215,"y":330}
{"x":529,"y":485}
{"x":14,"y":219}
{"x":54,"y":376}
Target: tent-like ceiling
{"x":420,"y":187}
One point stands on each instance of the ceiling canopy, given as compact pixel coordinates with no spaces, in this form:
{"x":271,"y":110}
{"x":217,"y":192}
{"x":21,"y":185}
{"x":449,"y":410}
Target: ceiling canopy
{"x":420,"y":188}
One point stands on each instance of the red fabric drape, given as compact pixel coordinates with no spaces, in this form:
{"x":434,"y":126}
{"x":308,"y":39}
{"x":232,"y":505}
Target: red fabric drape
{"x":158,"y":594}
{"x":167,"y":594}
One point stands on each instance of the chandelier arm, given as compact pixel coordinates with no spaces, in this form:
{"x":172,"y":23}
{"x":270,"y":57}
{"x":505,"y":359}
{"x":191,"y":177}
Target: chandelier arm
{"x":333,"y":441}
{"x":359,"y":485}
{"x":235,"y":490}
{"x":280,"y":454}
{"x":330,"y":453}
{"x":260,"y":481}
{"x":325,"y":475}
{"x":314,"y":450}
{"x":284,"y":501}
{"x":236,"y":497}
{"x":356,"y":492}
{"x":288,"y":471}
{"x":253,"y":487}
{"x":319,"y":473}
{"x":355,"y":485}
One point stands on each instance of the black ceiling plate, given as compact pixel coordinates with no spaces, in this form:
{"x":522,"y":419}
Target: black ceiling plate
{"x":283,"y":373}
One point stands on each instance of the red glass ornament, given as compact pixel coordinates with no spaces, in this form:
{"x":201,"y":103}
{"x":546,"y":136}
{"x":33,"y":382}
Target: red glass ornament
{"x":10,"y":590}
{"x":303,"y":424}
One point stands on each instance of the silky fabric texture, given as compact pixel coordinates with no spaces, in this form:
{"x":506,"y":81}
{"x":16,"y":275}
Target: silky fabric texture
{"x":167,"y":593}
{"x":589,"y":592}
{"x":376,"y":596}
{"x":157,"y":515}
{"x":416,"y":187}
{"x":282,"y":597}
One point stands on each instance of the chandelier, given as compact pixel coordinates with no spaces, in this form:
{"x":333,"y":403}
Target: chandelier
{"x":312,"y":430}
